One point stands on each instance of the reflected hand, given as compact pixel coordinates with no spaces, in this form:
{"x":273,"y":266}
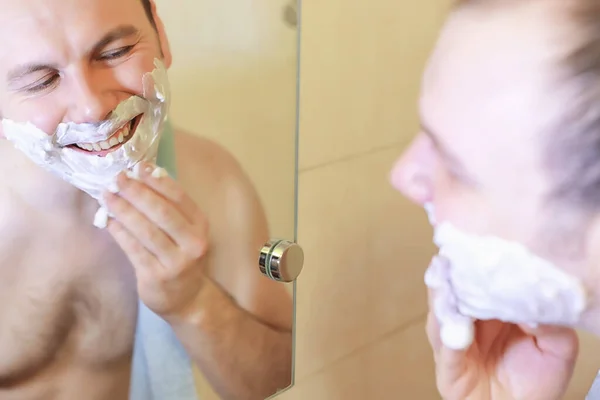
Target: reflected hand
{"x":165,"y":236}
{"x":504,"y":362}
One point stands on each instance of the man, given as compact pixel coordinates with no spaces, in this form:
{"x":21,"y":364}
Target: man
{"x":184,"y":251}
{"x":510,"y":147}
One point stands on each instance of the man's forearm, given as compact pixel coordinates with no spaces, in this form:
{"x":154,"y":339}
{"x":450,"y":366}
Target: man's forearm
{"x":242,"y":357}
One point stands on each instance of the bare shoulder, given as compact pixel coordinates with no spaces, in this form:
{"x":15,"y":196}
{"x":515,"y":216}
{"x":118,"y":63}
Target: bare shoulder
{"x":238,"y":226}
{"x":212,"y":175}
{"x":203,"y":159}
{"x":215,"y":180}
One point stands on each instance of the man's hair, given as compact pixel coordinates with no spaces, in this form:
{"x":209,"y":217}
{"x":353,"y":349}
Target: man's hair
{"x":148,"y":9}
{"x":571,"y":150}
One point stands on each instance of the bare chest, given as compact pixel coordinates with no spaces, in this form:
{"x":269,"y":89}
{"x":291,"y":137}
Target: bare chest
{"x":67,"y":300}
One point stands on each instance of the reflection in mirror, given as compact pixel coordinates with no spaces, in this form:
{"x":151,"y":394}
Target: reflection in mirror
{"x":149,"y":155}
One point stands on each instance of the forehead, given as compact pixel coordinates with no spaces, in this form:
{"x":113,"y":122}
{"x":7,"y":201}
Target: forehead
{"x":37,"y":27}
{"x":485,"y":90}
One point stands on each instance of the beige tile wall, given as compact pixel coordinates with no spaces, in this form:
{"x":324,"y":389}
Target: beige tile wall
{"x":361,"y":302}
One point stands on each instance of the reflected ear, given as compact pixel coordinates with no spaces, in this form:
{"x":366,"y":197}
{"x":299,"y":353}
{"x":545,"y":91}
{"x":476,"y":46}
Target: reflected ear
{"x":162,"y":37}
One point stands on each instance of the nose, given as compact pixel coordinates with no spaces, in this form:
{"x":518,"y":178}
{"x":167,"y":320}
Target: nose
{"x":92,"y":99}
{"x":411,"y":174}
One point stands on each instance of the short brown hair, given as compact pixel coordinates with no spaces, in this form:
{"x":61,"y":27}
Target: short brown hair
{"x":572,"y":154}
{"x":571,"y":151}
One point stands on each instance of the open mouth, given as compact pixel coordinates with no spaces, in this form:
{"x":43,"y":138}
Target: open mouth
{"x":115,"y":141}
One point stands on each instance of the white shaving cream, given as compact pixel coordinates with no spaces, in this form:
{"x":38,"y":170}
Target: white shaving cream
{"x":456,"y":330}
{"x":430,"y":213}
{"x":485,"y":277}
{"x":91,"y":173}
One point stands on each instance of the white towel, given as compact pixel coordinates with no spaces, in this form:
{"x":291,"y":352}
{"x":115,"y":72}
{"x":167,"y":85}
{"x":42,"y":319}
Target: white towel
{"x":162,"y":369}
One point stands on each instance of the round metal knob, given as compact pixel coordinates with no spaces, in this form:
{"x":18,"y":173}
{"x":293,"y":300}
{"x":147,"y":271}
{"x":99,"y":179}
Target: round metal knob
{"x":281,"y":260}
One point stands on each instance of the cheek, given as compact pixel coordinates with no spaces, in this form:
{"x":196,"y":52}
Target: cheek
{"x":464,"y":206}
{"x":129,"y":75}
{"x":29,"y":111}
{"x":481,"y":213}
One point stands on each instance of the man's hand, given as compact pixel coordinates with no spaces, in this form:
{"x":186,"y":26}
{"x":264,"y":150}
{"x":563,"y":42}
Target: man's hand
{"x":165,"y":236}
{"x":505,"y":362}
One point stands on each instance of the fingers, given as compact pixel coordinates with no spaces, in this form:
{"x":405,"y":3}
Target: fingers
{"x":153,"y":206}
{"x":150,"y":212}
{"x":454,"y":330}
{"x":163,"y":184}
{"x":450,"y":363}
{"x":450,"y":334}
{"x":134,"y":227}
{"x":137,"y":253}
{"x":432,"y":327}
{"x":450,"y":366}
{"x":555,"y":340}
{"x":434,"y":278}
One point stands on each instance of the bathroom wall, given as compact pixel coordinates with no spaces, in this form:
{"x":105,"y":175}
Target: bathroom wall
{"x":361,"y":301}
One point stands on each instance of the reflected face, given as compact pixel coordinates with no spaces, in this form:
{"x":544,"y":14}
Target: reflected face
{"x":486,"y":101}
{"x":73,"y":60}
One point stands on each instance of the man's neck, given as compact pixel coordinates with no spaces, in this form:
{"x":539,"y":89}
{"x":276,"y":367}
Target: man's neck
{"x":39,"y":189}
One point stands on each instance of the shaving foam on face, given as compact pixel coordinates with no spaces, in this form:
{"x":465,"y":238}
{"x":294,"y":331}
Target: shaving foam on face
{"x":456,"y":330}
{"x":430,"y":213}
{"x":491,"y":278}
{"x":159,"y":173}
{"x":91,"y":173}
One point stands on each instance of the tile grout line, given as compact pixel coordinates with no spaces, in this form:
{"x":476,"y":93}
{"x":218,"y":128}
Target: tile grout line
{"x":387,"y":335}
{"x":350,"y":157}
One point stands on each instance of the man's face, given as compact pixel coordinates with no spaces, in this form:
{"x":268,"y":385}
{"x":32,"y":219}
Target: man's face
{"x":486,"y":101}
{"x":72,"y":60}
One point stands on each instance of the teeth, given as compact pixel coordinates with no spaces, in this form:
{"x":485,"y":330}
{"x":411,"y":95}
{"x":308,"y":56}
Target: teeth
{"x":107,"y":144}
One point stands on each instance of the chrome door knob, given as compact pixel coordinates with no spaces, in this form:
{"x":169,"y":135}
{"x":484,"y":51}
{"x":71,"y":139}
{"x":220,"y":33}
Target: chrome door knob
{"x":281,"y":260}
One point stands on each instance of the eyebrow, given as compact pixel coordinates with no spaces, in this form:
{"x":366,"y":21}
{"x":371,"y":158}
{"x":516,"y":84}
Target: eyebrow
{"x":120,"y":32}
{"x":446,"y":153}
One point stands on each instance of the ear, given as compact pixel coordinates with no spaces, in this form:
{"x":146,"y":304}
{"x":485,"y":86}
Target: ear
{"x":162,"y":37}
{"x":589,"y":239}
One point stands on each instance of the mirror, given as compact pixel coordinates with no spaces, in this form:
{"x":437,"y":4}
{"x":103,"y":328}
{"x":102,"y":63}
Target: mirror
{"x":234,"y":81}
{"x":148,"y":198}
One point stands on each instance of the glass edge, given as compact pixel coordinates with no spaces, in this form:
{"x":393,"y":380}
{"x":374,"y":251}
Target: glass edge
{"x":296,"y":173}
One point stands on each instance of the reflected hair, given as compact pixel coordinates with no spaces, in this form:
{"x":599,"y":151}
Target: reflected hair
{"x":148,"y":9}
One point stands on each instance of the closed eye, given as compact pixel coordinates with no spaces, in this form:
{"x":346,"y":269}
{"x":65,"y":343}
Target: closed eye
{"x":116,"y":53}
{"x":44,"y":83}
